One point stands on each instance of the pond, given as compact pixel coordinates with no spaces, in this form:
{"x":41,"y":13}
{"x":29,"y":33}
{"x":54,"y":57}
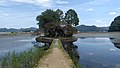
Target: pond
{"x":16,"y":43}
{"x":95,"y":50}
{"x":98,"y":51}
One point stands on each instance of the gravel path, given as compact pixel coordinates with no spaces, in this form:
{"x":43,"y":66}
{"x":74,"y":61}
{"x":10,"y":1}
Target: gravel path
{"x":55,"y":59}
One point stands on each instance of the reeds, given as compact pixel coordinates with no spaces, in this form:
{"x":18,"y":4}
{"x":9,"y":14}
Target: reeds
{"x":26,"y":59}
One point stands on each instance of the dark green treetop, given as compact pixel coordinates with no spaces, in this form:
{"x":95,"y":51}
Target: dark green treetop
{"x":115,"y":25}
{"x":71,"y":17}
{"x":48,"y":16}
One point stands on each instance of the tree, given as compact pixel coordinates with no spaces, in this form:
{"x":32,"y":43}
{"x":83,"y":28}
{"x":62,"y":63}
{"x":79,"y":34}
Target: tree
{"x":47,"y":17}
{"x":50,"y":20}
{"x":60,"y":12}
{"x":70,"y":30}
{"x":71,"y":17}
{"x":115,"y":25}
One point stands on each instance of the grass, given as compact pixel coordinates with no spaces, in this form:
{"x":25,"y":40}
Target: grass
{"x":30,"y":58}
{"x":26,"y":59}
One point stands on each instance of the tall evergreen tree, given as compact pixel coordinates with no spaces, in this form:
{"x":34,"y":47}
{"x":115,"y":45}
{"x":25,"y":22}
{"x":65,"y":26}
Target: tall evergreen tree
{"x":71,"y":17}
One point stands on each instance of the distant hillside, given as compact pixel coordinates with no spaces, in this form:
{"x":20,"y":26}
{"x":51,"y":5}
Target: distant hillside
{"x":81,"y":28}
{"x":18,"y":30}
{"x":84,"y":28}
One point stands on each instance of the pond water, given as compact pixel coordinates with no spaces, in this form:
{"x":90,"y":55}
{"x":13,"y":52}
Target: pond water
{"x":99,"y":52}
{"x":16,"y":43}
{"x":95,"y":50}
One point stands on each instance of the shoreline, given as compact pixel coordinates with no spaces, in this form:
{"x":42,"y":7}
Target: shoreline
{"x":14,"y":33}
{"x":97,"y":34}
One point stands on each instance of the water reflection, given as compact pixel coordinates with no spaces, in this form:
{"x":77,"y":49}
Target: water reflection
{"x":98,"y":53}
{"x":17,"y":43}
{"x":72,"y":51}
{"x":45,"y":46}
{"x":116,"y":42}
{"x":70,"y":48}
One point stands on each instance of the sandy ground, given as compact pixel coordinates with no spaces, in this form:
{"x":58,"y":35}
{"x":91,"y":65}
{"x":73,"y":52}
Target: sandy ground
{"x":55,"y":59}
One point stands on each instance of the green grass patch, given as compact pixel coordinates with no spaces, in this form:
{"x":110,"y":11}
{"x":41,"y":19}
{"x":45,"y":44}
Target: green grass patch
{"x":26,"y":59}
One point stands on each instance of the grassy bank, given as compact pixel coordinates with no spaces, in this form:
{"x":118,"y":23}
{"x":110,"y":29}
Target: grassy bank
{"x":26,"y":59}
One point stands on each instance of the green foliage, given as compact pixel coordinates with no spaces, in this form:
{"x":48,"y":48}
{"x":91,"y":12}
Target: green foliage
{"x":50,"y":20}
{"x":115,"y":25}
{"x":26,"y":59}
{"x":47,"y":17}
{"x":71,"y":17}
{"x":70,"y":30}
{"x":60,"y":13}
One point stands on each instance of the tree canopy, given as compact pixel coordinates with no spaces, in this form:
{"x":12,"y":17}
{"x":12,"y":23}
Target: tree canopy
{"x":115,"y":25}
{"x":48,"y":16}
{"x":71,"y":17}
{"x":50,"y":20}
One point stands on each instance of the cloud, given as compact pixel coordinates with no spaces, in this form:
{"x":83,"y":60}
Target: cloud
{"x":101,"y":21}
{"x":98,"y":21}
{"x":118,"y":8}
{"x":43,"y":3}
{"x":98,"y":2}
{"x":90,"y":9}
{"x":112,"y":13}
{"x":2,"y":3}
{"x":6,"y":14}
{"x":61,"y":2}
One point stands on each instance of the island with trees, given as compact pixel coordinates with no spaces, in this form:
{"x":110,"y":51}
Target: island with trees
{"x":56,"y":24}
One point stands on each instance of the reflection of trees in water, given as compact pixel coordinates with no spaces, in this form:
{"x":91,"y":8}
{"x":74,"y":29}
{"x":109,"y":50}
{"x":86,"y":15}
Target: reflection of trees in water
{"x":45,"y":46}
{"x":72,"y":51}
{"x":116,"y":42}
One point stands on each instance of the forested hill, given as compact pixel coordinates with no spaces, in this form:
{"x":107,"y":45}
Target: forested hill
{"x":84,"y":28}
{"x":81,"y":28}
{"x":18,"y":30}
{"x":115,"y":25}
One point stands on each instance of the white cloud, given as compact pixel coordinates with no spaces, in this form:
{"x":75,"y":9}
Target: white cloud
{"x":90,"y":9}
{"x":112,"y":13}
{"x":61,"y":2}
{"x":2,"y":2}
{"x":44,"y":3}
{"x":98,"y":2}
{"x":98,"y":21}
{"x":6,"y":14}
{"x":118,"y":8}
{"x":101,"y":21}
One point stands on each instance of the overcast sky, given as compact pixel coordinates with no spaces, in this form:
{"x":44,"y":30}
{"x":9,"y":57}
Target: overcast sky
{"x":22,"y":13}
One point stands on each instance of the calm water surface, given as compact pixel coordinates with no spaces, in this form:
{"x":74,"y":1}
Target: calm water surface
{"x":94,"y":52}
{"x":16,"y":43}
{"x":99,"y":52}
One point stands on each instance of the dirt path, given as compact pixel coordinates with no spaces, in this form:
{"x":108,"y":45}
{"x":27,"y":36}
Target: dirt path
{"x":57,"y":58}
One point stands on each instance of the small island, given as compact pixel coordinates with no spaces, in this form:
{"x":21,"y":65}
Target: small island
{"x":58,"y":32}
{"x":55,"y":24}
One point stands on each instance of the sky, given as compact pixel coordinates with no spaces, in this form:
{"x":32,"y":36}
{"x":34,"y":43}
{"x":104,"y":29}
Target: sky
{"x":23,"y":13}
